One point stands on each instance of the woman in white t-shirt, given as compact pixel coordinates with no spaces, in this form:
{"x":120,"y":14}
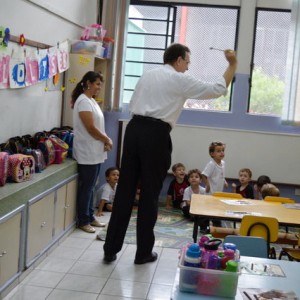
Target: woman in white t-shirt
{"x":90,"y":145}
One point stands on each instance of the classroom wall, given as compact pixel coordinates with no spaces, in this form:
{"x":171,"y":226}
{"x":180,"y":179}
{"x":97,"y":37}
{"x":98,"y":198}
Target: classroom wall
{"x":31,"y":109}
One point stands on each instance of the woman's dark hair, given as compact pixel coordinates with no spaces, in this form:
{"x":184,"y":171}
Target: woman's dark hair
{"x":82,"y":85}
{"x":173,"y":52}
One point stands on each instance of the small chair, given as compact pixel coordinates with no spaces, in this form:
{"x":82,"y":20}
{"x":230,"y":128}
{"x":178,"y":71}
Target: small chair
{"x":228,"y":195}
{"x":291,"y":253}
{"x":265,"y":227}
{"x":281,"y":200}
{"x":284,"y":238}
{"x":249,"y":245}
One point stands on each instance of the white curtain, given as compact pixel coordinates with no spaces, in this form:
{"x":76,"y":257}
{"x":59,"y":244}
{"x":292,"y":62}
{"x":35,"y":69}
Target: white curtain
{"x":291,"y":108}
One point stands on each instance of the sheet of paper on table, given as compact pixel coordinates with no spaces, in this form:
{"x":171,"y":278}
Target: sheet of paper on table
{"x":292,"y":206}
{"x":261,"y":269}
{"x":262,"y":294}
{"x":236,"y":202}
{"x":241,"y":213}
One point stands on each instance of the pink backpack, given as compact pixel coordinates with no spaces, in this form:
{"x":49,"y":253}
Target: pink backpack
{"x":21,"y":167}
{"x":3,"y":167}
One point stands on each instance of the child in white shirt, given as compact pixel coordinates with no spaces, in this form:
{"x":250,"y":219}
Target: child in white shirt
{"x":106,"y":193}
{"x":214,"y":172}
{"x":194,"y":177}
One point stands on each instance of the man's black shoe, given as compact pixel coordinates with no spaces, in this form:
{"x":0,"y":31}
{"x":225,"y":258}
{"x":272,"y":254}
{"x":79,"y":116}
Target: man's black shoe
{"x":109,"y":258}
{"x":140,"y":261}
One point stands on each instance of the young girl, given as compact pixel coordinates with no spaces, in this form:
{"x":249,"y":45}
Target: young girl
{"x":194,"y":178}
{"x":106,"y":193}
{"x":244,"y":188}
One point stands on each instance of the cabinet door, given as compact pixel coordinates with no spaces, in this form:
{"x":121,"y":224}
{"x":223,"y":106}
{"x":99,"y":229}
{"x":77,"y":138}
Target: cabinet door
{"x":9,"y":247}
{"x":60,"y":210}
{"x":71,"y":203}
{"x":40,"y":226}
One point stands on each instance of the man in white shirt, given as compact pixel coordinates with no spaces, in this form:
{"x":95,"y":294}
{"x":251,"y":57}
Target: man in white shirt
{"x":155,"y":105}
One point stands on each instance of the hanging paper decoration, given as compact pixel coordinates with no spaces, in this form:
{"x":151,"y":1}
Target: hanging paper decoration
{"x":63,"y":56}
{"x":32,"y":68}
{"x":22,"y":40}
{"x":52,"y":58}
{"x":4,"y":70}
{"x":43,"y":64}
{"x":17,"y":70}
{"x":6,"y":37}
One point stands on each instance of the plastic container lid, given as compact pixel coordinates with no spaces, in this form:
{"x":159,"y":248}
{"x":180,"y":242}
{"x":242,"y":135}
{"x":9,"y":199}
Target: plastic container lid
{"x":230,"y":246}
{"x":193,"y":250}
{"x":212,"y":244}
{"x":231,"y":266}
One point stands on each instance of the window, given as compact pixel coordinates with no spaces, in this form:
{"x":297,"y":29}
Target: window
{"x":269,"y":62}
{"x":153,"y":27}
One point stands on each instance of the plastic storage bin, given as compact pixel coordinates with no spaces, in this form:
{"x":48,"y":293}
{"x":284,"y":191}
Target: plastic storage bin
{"x":207,"y":281}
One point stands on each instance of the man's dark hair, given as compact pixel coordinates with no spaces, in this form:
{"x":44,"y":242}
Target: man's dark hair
{"x":173,"y":52}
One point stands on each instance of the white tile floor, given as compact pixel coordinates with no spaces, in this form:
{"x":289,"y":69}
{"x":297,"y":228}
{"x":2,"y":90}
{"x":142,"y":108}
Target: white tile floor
{"x":75,"y":270}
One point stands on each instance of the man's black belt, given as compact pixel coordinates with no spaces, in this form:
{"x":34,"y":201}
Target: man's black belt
{"x":151,"y":119}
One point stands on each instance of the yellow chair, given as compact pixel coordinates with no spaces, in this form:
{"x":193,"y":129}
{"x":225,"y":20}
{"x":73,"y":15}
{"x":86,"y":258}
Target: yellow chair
{"x":265,"y":227}
{"x":228,"y":195}
{"x":291,"y":253}
{"x":284,"y":237}
{"x":281,"y":200}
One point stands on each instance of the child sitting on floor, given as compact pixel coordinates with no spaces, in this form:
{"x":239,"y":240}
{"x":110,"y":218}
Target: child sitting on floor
{"x":177,"y":186}
{"x":244,"y":188}
{"x":106,"y":193}
{"x":269,"y":189}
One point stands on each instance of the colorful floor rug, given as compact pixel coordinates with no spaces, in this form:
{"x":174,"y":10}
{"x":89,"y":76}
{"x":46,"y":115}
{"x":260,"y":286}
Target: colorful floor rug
{"x":172,"y":230}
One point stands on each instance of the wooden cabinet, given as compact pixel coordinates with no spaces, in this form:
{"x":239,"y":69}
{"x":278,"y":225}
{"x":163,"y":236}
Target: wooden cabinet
{"x":79,"y":65}
{"x":49,"y":218}
{"x":40,"y":226}
{"x":10,"y":237}
{"x":65,"y":207}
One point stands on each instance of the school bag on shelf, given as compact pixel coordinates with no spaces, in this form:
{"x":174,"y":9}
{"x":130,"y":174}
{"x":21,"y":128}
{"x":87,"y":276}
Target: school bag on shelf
{"x":61,"y":149}
{"x":3,"y":167}
{"x":21,"y":167}
{"x":39,"y":160}
{"x":66,"y":134}
{"x":42,"y":142}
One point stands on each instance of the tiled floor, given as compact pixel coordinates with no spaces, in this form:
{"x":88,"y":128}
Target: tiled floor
{"x":75,"y":270}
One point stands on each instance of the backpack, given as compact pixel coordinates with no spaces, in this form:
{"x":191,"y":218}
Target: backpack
{"x":20,"y":167}
{"x":43,"y":143}
{"x":3,"y":167}
{"x":61,"y":148}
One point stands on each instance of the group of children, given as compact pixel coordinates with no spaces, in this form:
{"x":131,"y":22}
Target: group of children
{"x":183,"y":186}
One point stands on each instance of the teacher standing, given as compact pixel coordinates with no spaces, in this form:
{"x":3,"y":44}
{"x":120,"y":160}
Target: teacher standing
{"x":155,"y":107}
{"x":90,"y":146}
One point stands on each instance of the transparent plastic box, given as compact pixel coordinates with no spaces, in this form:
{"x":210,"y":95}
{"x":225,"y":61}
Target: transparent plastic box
{"x":207,"y":282}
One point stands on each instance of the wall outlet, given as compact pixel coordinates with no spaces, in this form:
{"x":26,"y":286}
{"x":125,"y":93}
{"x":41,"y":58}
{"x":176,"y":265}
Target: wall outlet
{"x":297,"y":192}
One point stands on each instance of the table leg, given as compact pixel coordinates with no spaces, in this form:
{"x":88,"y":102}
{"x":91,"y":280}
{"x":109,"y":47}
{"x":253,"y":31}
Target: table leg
{"x":196,"y":226}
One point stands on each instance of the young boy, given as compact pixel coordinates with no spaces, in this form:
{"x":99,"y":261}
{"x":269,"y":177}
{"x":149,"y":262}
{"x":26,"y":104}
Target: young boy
{"x":244,"y":188}
{"x":214,"y":171}
{"x":269,"y":189}
{"x":194,"y":177}
{"x":106,"y":193}
{"x":177,"y":186}
{"x":261,"y":180}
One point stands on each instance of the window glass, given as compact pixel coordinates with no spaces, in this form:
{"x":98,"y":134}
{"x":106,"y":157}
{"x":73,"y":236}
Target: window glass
{"x":269,"y":62}
{"x":152,"y":28}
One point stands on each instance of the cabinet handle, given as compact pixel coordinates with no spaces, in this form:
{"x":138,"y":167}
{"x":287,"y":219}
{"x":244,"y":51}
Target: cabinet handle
{"x":4,"y":252}
{"x":67,"y":206}
{"x":43,"y":224}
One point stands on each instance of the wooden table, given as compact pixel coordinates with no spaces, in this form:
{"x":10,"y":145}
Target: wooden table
{"x":290,"y":282}
{"x":207,"y":206}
